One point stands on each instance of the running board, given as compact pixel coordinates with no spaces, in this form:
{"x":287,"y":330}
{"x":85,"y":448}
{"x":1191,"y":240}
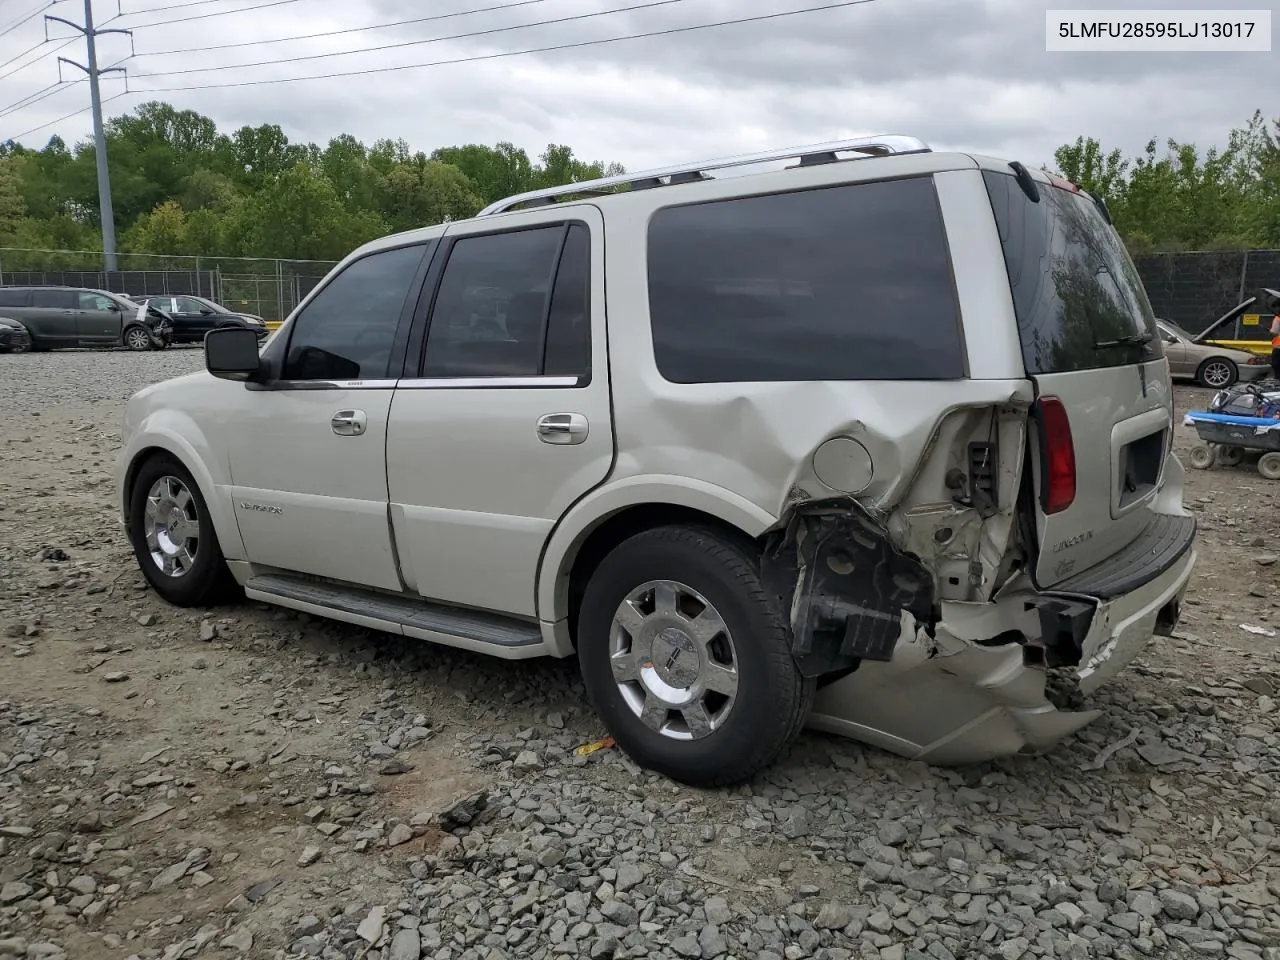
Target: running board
{"x":488,"y":633}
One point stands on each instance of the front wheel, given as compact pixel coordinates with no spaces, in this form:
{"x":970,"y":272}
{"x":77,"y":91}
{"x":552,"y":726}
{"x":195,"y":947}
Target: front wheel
{"x":687,"y":660}
{"x":1217,"y":373}
{"x":173,"y":537}
{"x":137,"y":339}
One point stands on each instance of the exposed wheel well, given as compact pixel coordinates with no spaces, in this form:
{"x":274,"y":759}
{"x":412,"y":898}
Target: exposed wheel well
{"x":627,"y":523}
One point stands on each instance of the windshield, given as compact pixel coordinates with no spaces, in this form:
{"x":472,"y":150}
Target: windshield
{"x":1079,"y":301}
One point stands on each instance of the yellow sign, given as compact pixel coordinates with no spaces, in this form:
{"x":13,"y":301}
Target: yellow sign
{"x":1251,"y":319}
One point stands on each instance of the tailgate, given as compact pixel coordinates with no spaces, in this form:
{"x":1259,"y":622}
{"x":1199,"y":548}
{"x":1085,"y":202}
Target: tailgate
{"x":1103,"y":417}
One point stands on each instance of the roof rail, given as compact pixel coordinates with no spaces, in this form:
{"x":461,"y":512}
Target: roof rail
{"x":685,"y":173}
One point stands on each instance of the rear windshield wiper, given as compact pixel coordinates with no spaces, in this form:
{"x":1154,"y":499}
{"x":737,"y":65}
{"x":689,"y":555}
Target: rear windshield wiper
{"x":1132,"y":340}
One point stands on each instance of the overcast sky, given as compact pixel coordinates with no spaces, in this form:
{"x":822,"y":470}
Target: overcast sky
{"x":970,"y":74}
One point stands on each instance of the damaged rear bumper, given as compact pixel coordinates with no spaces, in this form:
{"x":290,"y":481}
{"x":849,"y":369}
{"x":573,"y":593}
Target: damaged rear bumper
{"x":955,"y":697}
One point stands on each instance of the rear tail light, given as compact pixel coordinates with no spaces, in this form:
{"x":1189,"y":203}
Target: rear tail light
{"x":1058,"y":456}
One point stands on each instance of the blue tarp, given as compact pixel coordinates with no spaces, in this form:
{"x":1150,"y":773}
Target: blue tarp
{"x":1233,"y":419}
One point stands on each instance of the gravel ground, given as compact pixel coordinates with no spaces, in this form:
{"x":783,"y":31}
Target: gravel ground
{"x":247,"y":782}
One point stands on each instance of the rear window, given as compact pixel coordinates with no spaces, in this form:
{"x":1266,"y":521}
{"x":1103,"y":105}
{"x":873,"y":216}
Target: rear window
{"x":13,"y":298}
{"x":841,"y":283}
{"x":64,"y":299}
{"x":1078,"y":298}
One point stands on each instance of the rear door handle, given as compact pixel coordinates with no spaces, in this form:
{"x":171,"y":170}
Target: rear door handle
{"x":562,"y":428}
{"x":349,"y":423}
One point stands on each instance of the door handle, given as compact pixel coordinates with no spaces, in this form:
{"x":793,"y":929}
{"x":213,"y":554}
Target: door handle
{"x":349,"y":423}
{"x":562,"y":428}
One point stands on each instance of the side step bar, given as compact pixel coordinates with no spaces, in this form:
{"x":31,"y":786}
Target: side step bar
{"x":487,"y":633}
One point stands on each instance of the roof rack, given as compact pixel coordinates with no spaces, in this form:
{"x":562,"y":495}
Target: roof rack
{"x":686,"y":173}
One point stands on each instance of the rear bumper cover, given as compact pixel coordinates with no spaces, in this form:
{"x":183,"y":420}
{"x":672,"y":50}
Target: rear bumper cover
{"x":968,"y":693}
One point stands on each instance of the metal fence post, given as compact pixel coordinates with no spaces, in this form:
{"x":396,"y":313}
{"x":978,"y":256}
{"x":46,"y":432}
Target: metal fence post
{"x":279,"y":290}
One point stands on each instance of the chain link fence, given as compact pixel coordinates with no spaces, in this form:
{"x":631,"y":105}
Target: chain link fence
{"x":269,"y":288}
{"x":1190,"y":289}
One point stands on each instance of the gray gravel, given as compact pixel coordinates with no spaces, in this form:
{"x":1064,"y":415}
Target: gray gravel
{"x":245,"y":782}
{"x":31,"y":381}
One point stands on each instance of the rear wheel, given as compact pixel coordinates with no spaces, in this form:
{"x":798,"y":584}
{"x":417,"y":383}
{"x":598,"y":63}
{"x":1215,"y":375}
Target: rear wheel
{"x":1269,"y":466}
{"x":137,"y":339}
{"x":173,"y":537}
{"x":1230,"y":456}
{"x":1217,"y":372}
{"x":1202,"y":457}
{"x":686,"y":659}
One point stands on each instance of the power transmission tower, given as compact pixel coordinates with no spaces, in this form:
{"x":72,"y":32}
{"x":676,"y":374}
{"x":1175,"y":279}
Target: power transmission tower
{"x":99,"y":138}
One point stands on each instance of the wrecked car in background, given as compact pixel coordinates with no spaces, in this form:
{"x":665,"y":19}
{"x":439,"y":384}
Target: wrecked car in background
{"x":875,"y":438}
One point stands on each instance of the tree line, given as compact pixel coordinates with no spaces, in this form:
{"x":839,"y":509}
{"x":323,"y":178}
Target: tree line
{"x":181,"y":187}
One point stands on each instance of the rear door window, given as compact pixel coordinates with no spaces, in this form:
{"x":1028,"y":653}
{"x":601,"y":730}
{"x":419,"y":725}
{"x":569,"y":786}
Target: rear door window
{"x":1079,"y":301}
{"x":63,"y":299}
{"x":13,"y":298}
{"x":840,"y":283}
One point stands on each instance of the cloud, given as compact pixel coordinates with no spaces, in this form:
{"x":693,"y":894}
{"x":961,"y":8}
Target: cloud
{"x":969,"y":74}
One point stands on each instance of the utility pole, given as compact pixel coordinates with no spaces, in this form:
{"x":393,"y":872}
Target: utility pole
{"x":99,"y":137}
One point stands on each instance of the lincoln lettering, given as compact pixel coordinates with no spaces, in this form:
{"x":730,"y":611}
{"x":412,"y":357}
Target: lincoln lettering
{"x":1070,"y":542}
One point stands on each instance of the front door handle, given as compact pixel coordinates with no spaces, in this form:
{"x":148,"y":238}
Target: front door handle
{"x":562,"y":428}
{"x":349,"y":423}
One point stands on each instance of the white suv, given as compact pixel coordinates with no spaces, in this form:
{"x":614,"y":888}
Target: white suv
{"x":859,"y":435}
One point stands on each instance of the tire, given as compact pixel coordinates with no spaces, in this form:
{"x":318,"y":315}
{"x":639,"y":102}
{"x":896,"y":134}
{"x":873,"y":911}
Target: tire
{"x":183,"y":573}
{"x":1230,"y":456}
{"x":747,"y":712}
{"x":1217,"y":373}
{"x":136,"y":338}
{"x":1202,"y":457}
{"x":1269,"y":465}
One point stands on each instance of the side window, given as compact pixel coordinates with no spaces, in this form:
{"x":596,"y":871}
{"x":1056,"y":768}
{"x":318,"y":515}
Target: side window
{"x":490,"y":314}
{"x":64,"y":299}
{"x":568,"y":347}
{"x":840,"y":283}
{"x":13,"y":298}
{"x":346,"y":332}
{"x":95,"y":301}
{"x":185,"y":305}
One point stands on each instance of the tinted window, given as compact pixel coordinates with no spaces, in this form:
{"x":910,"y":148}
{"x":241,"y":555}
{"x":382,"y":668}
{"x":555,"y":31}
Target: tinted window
{"x":346,"y":332}
{"x":568,"y":347}
{"x":1075,"y":290}
{"x":66,"y":299}
{"x":186,"y":305}
{"x":490,"y":313}
{"x":842,"y":283}
{"x":95,"y":301}
{"x":13,"y":298}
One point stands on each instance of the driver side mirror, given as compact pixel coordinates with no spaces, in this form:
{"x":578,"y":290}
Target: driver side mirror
{"x":231,"y":353}
{"x":206,"y":312}
{"x":1168,"y":339}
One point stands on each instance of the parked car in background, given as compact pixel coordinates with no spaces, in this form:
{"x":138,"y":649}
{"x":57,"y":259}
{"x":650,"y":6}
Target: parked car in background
{"x":84,"y":317}
{"x":13,"y":337}
{"x":193,"y":317}
{"x":1208,"y":364}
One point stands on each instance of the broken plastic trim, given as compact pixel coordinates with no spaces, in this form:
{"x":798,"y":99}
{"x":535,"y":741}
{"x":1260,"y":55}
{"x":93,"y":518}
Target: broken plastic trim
{"x":850,"y":589}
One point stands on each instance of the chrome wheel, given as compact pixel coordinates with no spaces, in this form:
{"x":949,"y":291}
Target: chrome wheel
{"x":137,"y":339}
{"x":171,"y":525}
{"x":1217,"y":373}
{"x":673,"y":660}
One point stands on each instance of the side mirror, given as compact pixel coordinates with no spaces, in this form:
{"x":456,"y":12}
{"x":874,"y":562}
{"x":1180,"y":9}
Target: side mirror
{"x":206,"y":312}
{"x":1170,"y":339}
{"x":231,"y":353}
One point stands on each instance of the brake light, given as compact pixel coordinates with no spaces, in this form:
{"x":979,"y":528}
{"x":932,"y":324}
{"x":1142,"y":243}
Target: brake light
{"x":1058,"y":456}
{"x":1062,"y":182}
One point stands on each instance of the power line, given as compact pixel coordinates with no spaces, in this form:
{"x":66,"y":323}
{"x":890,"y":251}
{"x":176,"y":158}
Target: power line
{"x":345,"y":30}
{"x":648,"y":4}
{"x":24,"y":53}
{"x":32,"y":63}
{"x":578,"y":44}
{"x":207,"y":16}
{"x":31,"y":16}
{"x":171,"y":6}
{"x":32,"y":99}
{"x":73,"y":113}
